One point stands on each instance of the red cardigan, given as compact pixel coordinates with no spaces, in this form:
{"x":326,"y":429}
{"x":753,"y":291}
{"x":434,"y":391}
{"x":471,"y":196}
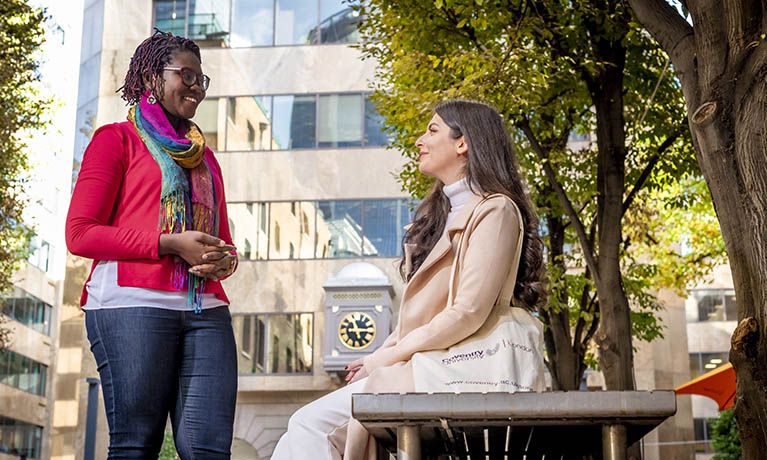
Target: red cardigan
{"x":115,"y":209}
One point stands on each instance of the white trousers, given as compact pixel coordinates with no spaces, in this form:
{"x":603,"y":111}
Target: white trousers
{"x":317,"y":431}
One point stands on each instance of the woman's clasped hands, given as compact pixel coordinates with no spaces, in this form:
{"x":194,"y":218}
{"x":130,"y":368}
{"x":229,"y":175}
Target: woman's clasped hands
{"x":208,"y":256}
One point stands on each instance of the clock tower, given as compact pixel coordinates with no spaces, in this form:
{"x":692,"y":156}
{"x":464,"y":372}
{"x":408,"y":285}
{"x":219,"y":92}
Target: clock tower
{"x":358,"y":313}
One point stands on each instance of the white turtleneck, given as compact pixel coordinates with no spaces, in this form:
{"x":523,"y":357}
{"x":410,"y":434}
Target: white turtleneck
{"x":458,"y":193}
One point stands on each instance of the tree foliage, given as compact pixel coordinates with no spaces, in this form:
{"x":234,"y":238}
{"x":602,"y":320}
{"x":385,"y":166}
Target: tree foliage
{"x":22,"y":111}
{"x":540,"y":64}
{"x":724,"y":433}
{"x":168,"y":449}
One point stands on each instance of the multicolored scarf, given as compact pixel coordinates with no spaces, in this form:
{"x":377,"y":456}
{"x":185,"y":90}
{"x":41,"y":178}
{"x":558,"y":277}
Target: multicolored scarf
{"x":188,"y":196}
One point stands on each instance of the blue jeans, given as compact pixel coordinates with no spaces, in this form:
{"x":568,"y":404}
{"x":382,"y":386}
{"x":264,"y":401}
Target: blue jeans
{"x":153,"y":362}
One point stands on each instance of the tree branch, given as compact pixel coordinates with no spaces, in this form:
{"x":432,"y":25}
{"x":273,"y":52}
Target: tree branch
{"x":654,"y":160}
{"x":594,"y":325}
{"x":580,"y":230}
{"x":673,"y":33}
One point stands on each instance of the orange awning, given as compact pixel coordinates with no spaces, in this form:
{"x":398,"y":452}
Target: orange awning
{"x":719,"y":385}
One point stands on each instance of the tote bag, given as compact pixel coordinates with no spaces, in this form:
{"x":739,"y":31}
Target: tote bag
{"x":504,"y":354}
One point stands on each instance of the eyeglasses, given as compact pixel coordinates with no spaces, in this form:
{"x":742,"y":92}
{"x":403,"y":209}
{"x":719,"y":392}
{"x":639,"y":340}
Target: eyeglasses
{"x":189,"y":77}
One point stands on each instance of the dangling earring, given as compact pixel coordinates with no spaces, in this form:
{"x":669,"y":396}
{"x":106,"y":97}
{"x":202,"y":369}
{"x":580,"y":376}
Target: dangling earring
{"x":151,"y":99}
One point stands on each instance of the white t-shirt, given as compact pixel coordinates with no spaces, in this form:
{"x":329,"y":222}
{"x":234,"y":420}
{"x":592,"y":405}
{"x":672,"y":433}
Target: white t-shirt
{"x":104,"y":292}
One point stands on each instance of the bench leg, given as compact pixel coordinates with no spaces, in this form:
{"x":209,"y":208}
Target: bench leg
{"x":614,"y":442}
{"x":408,"y":442}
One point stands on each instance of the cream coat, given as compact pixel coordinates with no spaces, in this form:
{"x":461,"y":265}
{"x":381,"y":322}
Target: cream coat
{"x":425,"y":322}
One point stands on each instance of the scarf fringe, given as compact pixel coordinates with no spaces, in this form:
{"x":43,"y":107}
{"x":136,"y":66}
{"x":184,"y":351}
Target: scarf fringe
{"x":195,"y":285}
{"x":187,"y":201}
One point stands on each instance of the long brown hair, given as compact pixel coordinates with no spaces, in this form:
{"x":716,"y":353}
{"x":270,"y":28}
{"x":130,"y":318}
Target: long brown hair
{"x":491,"y":168}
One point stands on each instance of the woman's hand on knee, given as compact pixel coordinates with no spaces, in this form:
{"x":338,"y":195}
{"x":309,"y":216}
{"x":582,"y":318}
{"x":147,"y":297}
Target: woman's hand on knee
{"x":356,"y":374}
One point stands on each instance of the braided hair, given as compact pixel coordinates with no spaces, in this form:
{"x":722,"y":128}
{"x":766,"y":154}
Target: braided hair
{"x":151,"y":56}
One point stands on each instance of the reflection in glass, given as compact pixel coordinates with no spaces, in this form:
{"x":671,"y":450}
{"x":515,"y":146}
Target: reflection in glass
{"x":296,"y":230}
{"x":170,"y":16}
{"x":294,"y":122}
{"x":375,"y":134}
{"x":209,"y":22}
{"x":21,"y":372}
{"x":253,"y":23}
{"x":249,"y":123}
{"x":294,"y":20}
{"x":384,"y":221}
{"x":338,"y":23}
{"x":207,"y":119}
{"x":247,"y":231}
{"x":284,"y":340}
{"x":344,"y":223}
{"x":324,"y":229}
{"x":28,"y":310}
{"x":21,"y":439}
{"x":339,"y":122}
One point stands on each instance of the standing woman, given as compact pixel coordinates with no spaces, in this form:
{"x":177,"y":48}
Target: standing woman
{"x":149,"y":209}
{"x":478,"y":198}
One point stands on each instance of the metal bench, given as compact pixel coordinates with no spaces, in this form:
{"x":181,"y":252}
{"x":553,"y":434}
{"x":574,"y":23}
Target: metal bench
{"x":551,"y":425}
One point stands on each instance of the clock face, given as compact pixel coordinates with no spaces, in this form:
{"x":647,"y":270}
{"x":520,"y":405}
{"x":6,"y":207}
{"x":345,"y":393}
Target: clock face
{"x":357,"y":330}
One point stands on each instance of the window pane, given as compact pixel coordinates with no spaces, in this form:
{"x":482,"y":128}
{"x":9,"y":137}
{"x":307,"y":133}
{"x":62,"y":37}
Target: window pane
{"x":730,"y":306}
{"x":247,"y":230}
{"x":15,"y":367}
{"x":340,"y":120}
{"x":207,"y":119}
{"x":339,"y":229}
{"x":338,"y":22}
{"x":291,"y":344}
{"x":304,"y":340}
{"x":25,"y":377}
{"x":294,"y":122}
{"x":710,"y":306}
{"x":253,"y":23}
{"x":6,"y":306}
{"x":5,"y":356}
{"x":711,"y":361}
{"x":294,"y":21}
{"x":374,"y":124}
{"x":249,"y":123}
{"x":292,"y":218}
{"x":260,"y":345}
{"x":383,"y":227}
{"x":43,"y":379}
{"x":209,"y":22}
{"x":695,"y":366}
{"x":170,"y":16}
{"x":34,"y":377}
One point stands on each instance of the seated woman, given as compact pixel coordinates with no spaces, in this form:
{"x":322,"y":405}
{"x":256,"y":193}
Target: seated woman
{"x":476,"y":217}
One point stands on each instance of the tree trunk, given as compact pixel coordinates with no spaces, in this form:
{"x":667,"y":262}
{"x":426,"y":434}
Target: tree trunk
{"x":564,"y":362}
{"x":615,"y":351}
{"x":722,"y":65}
